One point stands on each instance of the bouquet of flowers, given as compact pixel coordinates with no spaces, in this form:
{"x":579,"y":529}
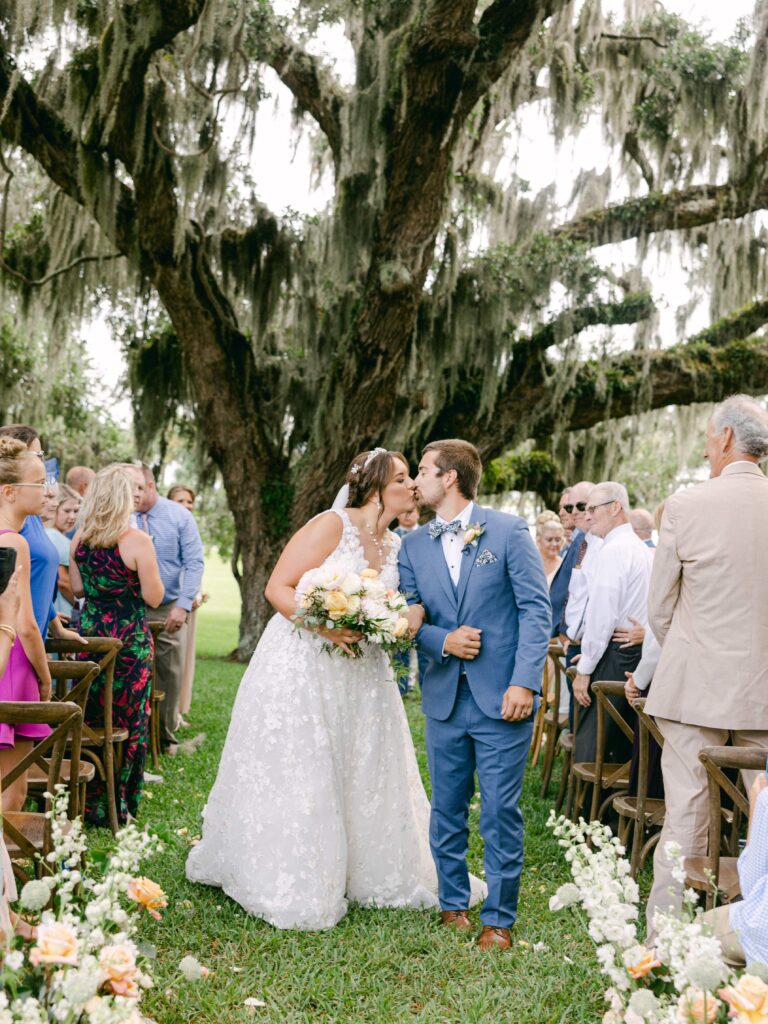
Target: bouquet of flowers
{"x":334,"y":597}
{"x":83,"y":966}
{"x":684,"y":979}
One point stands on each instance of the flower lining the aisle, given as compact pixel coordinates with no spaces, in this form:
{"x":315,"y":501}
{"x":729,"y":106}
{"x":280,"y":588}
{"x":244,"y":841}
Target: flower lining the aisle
{"x":83,"y":967}
{"x":684,"y":979}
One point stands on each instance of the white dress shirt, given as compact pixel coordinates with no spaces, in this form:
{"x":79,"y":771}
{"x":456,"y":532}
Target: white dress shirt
{"x":618,"y":589}
{"x":578,"y":589}
{"x":453,"y":543}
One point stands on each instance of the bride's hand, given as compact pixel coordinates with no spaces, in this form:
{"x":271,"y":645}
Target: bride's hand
{"x":343,"y":638}
{"x":415,"y":614}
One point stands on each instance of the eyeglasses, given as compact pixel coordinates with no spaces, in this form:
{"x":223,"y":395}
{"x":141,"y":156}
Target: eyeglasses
{"x":44,"y":485}
{"x":591,"y":508}
{"x":580,"y":505}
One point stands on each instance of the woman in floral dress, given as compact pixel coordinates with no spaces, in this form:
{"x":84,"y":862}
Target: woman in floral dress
{"x":115,"y":567}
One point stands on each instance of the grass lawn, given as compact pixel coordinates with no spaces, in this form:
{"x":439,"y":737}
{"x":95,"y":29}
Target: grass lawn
{"x":376,"y":965}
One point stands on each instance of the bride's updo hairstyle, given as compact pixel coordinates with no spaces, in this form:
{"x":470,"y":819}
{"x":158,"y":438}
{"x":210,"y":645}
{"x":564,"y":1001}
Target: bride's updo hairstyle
{"x":13,"y":454}
{"x":368,"y":475}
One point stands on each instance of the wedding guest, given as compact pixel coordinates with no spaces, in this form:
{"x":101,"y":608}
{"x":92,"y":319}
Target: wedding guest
{"x":707,"y":608}
{"x":10,"y":923}
{"x":742,"y":927}
{"x":64,"y":520}
{"x":549,"y":541}
{"x":566,"y":514}
{"x":573,"y":557}
{"x":186,"y":497}
{"x":618,"y":592}
{"x":407,"y":522}
{"x":44,"y":558}
{"x":50,"y":505}
{"x":183,"y":495}
{"x":114,"y":567}
{"x":642,"y":523}
{"x":26,"y":675}
{"x":79,"y":479}
{"x":180,"y":557}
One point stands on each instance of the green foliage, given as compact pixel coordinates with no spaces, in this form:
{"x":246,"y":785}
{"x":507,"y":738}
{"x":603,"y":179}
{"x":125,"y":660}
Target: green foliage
{"x":526,"y":270}
{"x":690,"y":63}
{"x":534,"y":471}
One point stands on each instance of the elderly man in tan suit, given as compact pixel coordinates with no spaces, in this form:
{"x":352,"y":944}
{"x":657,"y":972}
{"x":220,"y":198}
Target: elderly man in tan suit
{"x":708,"y":607}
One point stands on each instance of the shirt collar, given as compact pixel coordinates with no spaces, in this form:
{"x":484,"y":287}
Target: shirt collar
{"x":463,"y":517}
{"x":620,"y":531}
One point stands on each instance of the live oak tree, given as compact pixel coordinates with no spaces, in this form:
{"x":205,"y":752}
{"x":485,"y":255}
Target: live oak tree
{"x":439,"y":294}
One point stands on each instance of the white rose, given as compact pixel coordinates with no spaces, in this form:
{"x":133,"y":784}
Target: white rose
{"x":351,"y":584}
{"x":353,"y":604}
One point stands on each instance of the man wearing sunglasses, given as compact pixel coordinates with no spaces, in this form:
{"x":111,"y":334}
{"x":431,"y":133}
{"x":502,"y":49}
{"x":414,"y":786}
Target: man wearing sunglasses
{"x":618,"y":594}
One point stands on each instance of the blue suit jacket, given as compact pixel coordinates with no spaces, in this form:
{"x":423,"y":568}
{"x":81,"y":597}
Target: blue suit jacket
{"x":558,"y":592}
{"x":507,"y":598}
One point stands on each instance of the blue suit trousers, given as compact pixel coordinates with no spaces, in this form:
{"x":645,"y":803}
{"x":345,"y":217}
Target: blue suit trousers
{"x":469,"y":740}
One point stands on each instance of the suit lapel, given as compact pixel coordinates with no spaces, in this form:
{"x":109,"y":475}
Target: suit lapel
{"x":441,"y":566}
{"x":468,"y":557}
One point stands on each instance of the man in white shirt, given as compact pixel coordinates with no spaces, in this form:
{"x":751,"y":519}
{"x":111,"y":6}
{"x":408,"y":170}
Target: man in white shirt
{"x":618,"y":593}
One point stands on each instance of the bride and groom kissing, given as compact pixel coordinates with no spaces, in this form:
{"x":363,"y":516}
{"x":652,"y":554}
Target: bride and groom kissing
{"x":318,"y":799}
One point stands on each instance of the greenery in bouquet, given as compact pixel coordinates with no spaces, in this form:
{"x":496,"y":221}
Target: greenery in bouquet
{"x":683,"y":979}
{"x":335,"y":597}
{"x":84,"y":965}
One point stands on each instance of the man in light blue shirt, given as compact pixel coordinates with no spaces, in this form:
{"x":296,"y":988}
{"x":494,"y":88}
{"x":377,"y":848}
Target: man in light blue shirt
{"x":180,"y":558}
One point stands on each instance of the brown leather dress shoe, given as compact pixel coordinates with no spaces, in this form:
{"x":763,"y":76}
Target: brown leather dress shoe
{"x":456,"y":919}
{"x":492,"y":937}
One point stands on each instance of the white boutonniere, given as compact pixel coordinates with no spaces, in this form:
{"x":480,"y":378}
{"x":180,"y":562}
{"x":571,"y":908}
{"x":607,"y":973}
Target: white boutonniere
{"x":472,"y":534}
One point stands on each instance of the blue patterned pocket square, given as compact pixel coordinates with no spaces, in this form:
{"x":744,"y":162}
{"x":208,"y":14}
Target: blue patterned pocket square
{"x":486,"y":557}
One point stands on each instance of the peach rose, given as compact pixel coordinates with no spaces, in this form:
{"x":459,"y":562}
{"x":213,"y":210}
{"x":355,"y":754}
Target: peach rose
{"x":369,"y":574}
{"x":748,"y":1000}
{"x":697,"y":1007}
{"x":118,"y":970}
{"x":147,"y":893}
{"x":56,"y":944}
{"x":401,"y":628}
{"x":469,"y":535}
{"x":644,"y":964}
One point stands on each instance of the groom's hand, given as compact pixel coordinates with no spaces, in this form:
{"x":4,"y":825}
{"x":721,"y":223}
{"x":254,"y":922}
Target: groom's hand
{"x":516,"y":704}
{"x":463,"y":643}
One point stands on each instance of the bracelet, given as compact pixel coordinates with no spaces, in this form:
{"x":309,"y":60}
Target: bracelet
{"x":9,"y":630}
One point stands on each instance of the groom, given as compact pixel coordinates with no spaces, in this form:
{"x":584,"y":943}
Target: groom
{"x":482,"y":649}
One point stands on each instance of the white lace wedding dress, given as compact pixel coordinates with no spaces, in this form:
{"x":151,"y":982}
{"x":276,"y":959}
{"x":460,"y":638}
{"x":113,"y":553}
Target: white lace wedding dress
{"x":318,"y":798}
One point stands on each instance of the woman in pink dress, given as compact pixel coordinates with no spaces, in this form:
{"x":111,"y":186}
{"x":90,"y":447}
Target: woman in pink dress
{"x":26,"y":676}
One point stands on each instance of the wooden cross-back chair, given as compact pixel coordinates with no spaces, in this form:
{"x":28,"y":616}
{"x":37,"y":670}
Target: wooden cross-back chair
{"x":641,"y":814}
{"x":101,"y":744}
{"x":600,"y":775}
{"x":71,"y":682}
{"x":156,"y":697}
{"x":28,"y":833}
{"x":701,"y":870}
{"x":553,"y":723}
{"x":565,"y":793}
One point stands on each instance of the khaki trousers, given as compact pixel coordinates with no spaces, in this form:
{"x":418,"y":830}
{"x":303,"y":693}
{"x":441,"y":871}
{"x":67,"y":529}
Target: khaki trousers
{"x":686,"y":820}
{"x":169,"y":666}
{"x":719,"y":920}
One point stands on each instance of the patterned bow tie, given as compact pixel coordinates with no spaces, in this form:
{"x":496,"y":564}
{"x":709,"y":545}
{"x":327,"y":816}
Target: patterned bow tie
{"x":438,"y":529}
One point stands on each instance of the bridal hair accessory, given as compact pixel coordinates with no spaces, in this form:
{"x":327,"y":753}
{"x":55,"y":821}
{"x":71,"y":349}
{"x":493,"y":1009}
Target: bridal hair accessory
{"x":371,"y":456}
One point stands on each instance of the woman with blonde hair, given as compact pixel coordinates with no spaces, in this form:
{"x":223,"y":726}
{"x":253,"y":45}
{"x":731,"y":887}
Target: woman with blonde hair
{"x":114,"y":566}
{"x":26,"y":675}
{"x":550,"y":534}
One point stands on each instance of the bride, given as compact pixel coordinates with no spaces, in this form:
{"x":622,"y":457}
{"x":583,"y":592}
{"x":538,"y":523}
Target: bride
{"x":318,"y":798}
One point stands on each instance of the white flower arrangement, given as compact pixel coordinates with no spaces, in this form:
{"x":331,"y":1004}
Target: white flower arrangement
{"x":684,"y":979}
{"x":83,"y":966}
{"x":333,"y":596}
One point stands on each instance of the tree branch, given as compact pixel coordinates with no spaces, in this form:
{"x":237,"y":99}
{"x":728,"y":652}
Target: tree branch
{"x":664,"y":211}
{"x":629,"y":310}
{"x":314,"y":88}
{"x":738,"y":325}
{"x":505,"y":27}
{"x":29,"y":283}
